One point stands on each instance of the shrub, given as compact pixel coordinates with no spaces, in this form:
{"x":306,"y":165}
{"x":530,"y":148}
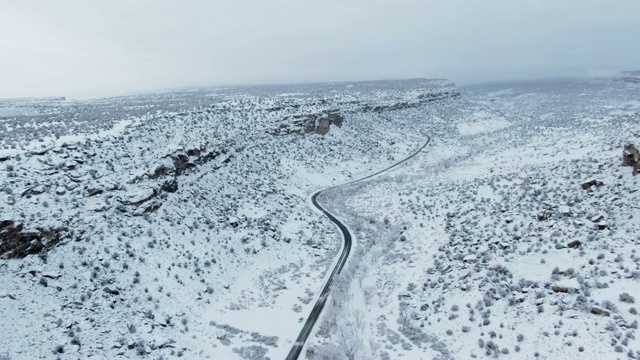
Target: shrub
{"x":609,"y":305}
{"x":491,"y":347}
{"x":625,"y":297}
{"x":76,"y":341}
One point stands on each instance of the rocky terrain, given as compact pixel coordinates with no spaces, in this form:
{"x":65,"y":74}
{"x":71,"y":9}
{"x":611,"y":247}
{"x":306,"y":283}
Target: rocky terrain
{"x":178,"y":224}
{"x":128,"y":224}
{"x":513,"y":236}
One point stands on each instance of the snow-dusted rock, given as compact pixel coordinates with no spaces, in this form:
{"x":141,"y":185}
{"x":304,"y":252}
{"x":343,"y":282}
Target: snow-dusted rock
{"x":470,"y":258}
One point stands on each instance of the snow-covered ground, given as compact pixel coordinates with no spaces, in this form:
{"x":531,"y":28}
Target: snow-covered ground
{"x":514,"y":235}
{"x":178,"y":224}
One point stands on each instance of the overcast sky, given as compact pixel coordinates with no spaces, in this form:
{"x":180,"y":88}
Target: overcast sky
{"x":83,"y":48}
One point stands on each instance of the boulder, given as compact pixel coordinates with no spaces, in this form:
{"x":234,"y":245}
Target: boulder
{"x":631,"y":157}
{"x":591,"y":183}
{"x":574,"y":244}
{"x":469,"y":258}
{"x":94,"y":191}
{"x":599,"y":311}
{"x":111,"y":291}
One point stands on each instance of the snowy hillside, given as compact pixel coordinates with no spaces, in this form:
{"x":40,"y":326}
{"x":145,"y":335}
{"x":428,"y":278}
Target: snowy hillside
{"x":178,"y":224}
{"x":514,"y":235}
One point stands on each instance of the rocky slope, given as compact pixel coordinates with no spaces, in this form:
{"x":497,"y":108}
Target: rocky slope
{"x":132,"y":232}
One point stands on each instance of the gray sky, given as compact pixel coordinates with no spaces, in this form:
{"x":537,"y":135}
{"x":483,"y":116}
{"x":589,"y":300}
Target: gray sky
{"x":84,"y":48}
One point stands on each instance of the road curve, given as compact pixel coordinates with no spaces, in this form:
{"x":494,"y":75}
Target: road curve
{"x":344,"y":255}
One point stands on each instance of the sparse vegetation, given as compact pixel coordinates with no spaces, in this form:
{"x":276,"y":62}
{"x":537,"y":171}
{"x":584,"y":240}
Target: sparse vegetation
{"x":200,"y":203}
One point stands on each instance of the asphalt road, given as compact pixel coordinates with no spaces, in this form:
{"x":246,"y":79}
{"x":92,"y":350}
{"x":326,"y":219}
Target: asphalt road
{"x":296,"y":350}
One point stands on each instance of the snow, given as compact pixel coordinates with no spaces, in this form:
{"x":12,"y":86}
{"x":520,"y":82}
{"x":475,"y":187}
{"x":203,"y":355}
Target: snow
{"x":473,"y":237}
{"x":189,"y":230}
{"x":485,"y":122}
{"x":188,"y":210}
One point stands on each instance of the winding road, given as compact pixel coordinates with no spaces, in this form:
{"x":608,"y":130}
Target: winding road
{"x":342,"y":260}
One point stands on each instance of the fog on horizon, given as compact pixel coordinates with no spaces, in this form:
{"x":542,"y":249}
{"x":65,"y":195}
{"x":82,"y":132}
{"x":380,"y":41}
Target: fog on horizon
{"x":85,"y":49}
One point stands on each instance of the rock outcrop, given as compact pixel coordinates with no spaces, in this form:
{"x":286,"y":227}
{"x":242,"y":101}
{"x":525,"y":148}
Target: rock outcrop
{"x":164,"y":178}
{"x":16,"y":243}
{"x":319,"y":123}
{"x":420,"y":100}
{"x":630,"y":157}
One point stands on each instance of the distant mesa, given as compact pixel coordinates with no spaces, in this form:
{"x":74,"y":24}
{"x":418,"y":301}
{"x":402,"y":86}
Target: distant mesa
{"x":320,"y":123}
{"x":631,"y":76}
{"x":29,"y":100}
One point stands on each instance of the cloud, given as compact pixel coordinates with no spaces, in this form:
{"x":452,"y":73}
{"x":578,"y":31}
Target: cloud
{"x":80,"y":48}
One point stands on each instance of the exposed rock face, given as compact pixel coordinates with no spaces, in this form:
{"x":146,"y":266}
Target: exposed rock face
{"x":166,"y":178}
{"x":323,"y":127}
{"x":574,"y":244}
{"x":631,"y":77}
{"x":182,"y":163}
{"x":589,"y":184}
{"x":15,"y":243}
{"x":631,"y":157}
{"x":421,"y":99}
{"x":161,"y":171}
{"x":319,"y":123}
